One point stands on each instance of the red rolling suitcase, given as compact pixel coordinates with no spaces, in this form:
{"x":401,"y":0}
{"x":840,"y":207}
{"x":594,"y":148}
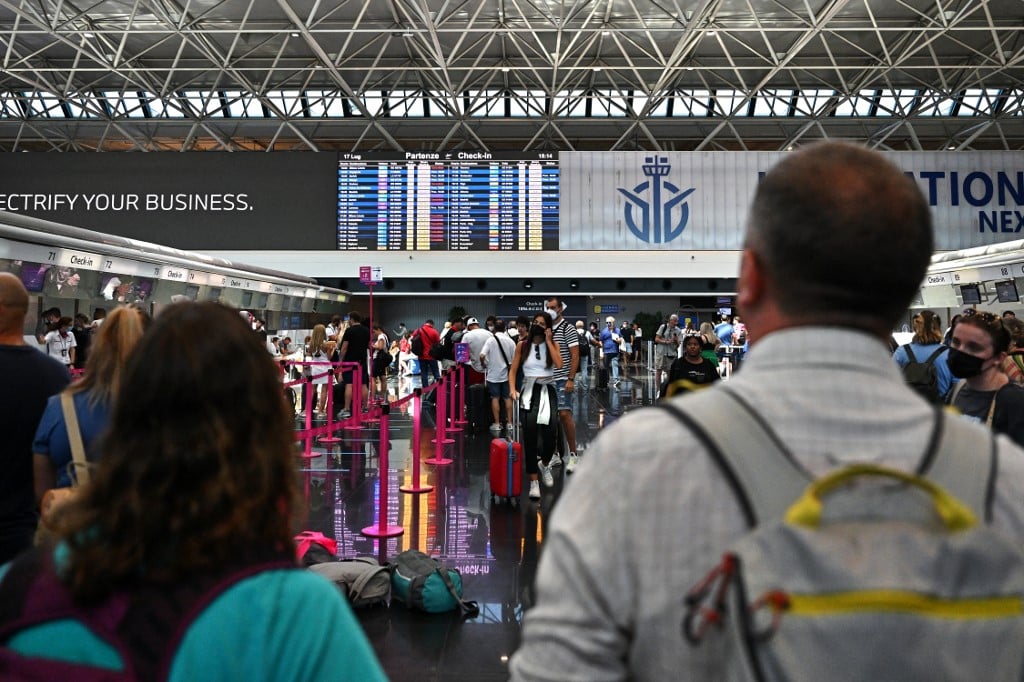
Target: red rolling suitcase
{"x":507,"y":464}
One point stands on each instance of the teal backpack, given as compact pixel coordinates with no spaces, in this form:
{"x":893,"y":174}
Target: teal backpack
{"x":868,"y":573}
{"x":421,"y":582}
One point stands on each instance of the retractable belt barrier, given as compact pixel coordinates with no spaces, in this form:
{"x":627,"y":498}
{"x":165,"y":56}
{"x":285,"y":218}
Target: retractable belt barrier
{"x":445,"y":393}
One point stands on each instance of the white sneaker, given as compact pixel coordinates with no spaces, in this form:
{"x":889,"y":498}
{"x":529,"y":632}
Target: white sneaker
{"x":534,"y":490}
{"x":556,"y":461}
{"x":573,"y":461}
{"x":495,"y":428}
{"x":545,"y":475}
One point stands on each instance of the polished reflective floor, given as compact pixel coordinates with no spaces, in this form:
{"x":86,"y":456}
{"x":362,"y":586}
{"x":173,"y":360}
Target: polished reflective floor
{"x":495,"y":545}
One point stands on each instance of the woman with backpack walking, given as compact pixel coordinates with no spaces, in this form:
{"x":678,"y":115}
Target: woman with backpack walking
{"x":923,"y":360}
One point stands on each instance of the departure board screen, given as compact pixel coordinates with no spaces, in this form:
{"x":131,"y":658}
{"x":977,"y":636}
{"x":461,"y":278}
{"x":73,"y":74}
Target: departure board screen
{"x":450,"y":201}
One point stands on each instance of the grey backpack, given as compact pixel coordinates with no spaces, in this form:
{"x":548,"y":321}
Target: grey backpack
{"x":868,"y":573}
{"x":363,"y":580}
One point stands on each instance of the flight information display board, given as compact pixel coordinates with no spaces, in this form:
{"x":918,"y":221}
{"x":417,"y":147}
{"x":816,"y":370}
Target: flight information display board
{"x":449,"y":201}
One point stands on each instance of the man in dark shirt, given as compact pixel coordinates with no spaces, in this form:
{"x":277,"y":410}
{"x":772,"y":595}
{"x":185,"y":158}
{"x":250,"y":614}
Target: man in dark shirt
{"x":691,"y":370}
{"x":47,"y":323}
{"x":354,"y":345}
{"x":83,"y":338}
{"x":30,"y":377}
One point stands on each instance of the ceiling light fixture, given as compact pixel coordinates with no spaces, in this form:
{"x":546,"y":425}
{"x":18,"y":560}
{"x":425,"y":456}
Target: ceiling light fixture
{"x":295,"y":34}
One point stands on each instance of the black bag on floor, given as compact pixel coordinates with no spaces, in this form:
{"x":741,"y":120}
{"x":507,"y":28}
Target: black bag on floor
{"x":602,"y":378}
{"x":478,"y":408}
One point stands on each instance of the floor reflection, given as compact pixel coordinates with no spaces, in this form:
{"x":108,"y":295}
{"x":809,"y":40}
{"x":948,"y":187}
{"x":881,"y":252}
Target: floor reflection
{"x":496,"y":546}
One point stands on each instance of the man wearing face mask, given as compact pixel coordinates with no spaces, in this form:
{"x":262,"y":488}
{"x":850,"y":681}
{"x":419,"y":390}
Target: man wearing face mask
{"x":568,"y":342}
{"x":978,"y":345}
{"x":610,"y":344}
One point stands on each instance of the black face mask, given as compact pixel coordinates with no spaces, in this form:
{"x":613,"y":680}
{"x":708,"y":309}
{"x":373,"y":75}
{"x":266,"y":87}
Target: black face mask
{"x":962,"y":365}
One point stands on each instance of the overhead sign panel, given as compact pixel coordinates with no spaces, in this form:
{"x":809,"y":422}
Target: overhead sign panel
{"x":700,"y":200}
{"x":193,"y":201}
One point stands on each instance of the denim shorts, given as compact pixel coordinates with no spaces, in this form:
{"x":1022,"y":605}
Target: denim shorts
{"x":499,"y":390}
{"x":564,"y":399}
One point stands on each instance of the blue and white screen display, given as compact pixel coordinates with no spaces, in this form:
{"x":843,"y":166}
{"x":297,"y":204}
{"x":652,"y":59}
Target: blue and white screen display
{"x":452,"y":201}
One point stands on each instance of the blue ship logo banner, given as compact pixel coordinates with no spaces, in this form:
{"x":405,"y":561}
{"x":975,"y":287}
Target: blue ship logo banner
{"x":656,"y":210}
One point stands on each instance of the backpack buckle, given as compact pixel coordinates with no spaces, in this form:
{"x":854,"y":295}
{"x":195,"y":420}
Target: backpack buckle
{"x":778,"y":602}
{"x":706,"y":601}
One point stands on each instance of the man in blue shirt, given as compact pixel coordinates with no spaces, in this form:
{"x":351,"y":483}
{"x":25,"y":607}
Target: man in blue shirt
{"x":724,"y":330}
{"x":610,"y":343}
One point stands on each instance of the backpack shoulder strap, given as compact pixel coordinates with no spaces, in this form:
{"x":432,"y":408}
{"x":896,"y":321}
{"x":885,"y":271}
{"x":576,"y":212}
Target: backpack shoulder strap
{"x":956,"y":390}
{"x":961,"y":475}
{"x":934,"y":356}
{"x":766,"y":479}
{"x":501,"y":349}
{"x":159,"y":619}
{"x":468,"y":609}
{"x":360,"y":583}
{"x":909,"y":351}
{"x":760,"y":470}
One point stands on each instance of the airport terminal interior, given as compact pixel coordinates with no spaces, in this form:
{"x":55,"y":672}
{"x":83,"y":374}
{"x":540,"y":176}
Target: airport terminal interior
{"x":409,"y":159}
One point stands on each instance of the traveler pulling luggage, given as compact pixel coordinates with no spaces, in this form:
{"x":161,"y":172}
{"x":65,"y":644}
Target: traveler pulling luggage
{"x":507,"y":464}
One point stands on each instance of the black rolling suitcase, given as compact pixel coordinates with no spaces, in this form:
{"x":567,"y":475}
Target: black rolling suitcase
{"x":478,"y":408}
{"x":602,"y":377}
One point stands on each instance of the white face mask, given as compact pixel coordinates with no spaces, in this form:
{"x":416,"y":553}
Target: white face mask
{"x":552,"y":313}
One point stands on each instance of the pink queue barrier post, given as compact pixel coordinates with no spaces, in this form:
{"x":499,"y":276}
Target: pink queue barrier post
{"x":382,"y":529}
{"x":329,"y":438}
{"x":442,"y":412}
{"x":307,"y":453}
{"x":440,"y":439}
{"x":416,"y":486}
{"x":452,"y":405}
{"x":460,"y":411}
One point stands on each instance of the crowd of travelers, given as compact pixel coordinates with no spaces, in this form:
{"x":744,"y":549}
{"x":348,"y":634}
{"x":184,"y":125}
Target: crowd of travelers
{"x":207,"y":588}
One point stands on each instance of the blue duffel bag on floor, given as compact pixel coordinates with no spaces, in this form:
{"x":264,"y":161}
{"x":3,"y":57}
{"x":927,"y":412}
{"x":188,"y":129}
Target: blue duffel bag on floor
{"x":423,"y":583}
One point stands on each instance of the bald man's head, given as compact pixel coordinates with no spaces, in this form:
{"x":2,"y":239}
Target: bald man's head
{"x":12,"y":293}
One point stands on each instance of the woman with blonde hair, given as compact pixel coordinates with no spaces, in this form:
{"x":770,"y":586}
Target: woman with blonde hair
{"x":319,"y":352}
{"x":709,"y":343}
{"x":93,"y":399}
